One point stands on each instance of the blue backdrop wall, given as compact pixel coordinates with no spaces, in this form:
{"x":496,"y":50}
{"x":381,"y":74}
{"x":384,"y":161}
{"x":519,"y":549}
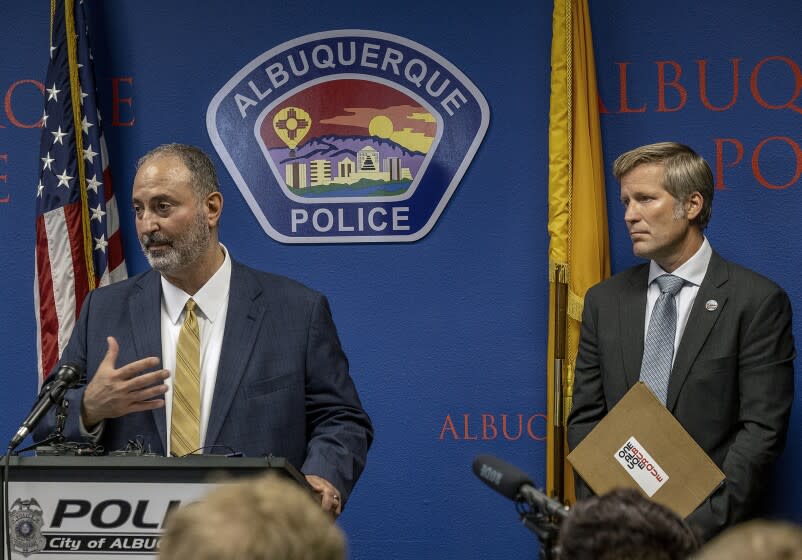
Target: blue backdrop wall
{"x":446,"y":335}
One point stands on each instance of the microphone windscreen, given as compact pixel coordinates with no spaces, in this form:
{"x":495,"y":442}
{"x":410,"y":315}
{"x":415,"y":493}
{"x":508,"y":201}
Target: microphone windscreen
{"x":500,"y":475}
{"x":69,"y":373}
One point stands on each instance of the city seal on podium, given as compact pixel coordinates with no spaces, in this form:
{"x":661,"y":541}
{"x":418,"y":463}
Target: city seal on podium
{"x":347,"y":136}
{"x":25,"y":520}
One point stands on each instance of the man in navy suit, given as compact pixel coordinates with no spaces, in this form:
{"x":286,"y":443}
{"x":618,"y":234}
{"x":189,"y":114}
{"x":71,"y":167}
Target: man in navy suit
{"x":273,"y":376}
{"x":730,"y":369}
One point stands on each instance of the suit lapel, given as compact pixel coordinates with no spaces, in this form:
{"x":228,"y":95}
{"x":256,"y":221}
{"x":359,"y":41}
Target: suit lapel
{"x":633,"y":315}
{"x":245,"y":312}
{"x":144,"y":309}
{"x":700,"y":323}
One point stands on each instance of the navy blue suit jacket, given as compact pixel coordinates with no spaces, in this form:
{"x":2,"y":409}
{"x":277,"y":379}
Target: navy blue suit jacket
{"x":283,"y":386}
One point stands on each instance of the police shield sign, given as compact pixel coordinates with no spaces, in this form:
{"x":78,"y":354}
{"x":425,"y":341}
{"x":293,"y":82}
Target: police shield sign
{"x":347,"y":136}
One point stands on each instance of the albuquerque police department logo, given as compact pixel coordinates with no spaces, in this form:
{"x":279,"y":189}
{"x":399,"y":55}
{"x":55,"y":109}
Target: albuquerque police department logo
{"x":347,"y":136}
{"x":25,"y":520}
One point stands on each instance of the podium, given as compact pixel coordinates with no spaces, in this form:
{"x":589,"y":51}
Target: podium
{"x":106,"y":507}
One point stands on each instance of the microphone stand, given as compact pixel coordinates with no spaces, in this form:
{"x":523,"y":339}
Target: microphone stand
{"x":58,"y":433}
{"x":544,"y":526}
{"x":57,"y":436}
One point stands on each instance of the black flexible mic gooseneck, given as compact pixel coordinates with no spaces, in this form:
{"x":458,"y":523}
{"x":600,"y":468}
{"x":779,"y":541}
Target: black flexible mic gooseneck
{"x":67,"y":376}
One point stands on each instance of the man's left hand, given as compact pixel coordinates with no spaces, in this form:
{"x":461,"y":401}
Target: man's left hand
{"x":330,"y":499}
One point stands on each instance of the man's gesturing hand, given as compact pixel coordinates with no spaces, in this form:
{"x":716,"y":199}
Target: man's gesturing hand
{"x":116,"y":392}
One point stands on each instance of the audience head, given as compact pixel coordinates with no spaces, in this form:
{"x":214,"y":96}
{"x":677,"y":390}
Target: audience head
{"x":265,"y":518}
{"x":756,"y":540}
{"x":624,"y":525}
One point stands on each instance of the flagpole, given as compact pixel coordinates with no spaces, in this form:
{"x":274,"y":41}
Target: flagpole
{"x":558,"y":415}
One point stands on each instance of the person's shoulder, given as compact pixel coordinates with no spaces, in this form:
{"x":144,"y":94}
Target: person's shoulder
{"x":745,"y":279}
{"x":273,"y":284}
{"x":121,"y":287}
{"x":625,"y":280}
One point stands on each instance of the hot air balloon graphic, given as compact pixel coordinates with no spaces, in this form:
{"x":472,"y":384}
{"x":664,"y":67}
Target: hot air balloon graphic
{"x":291,"y":125}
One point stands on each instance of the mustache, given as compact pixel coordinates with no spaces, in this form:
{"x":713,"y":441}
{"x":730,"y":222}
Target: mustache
{"x":149,"y":239}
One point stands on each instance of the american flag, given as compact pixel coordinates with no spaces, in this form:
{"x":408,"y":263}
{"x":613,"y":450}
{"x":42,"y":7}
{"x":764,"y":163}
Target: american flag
{"x":78,"y":246}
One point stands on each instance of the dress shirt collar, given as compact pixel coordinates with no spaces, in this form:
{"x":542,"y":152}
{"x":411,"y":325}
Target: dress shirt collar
{"x":210,"y":299}
{"x":692,"y":271}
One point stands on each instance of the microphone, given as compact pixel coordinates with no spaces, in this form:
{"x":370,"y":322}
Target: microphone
{"x":66,"y":376}
{"x":513,"y":483}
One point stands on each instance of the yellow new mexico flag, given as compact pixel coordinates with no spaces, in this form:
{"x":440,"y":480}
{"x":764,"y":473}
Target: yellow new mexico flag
{"x":579,"y":255}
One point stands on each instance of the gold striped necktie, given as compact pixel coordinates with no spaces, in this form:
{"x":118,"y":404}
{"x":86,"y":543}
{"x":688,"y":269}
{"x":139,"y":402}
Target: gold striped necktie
{"x":185,"y":422}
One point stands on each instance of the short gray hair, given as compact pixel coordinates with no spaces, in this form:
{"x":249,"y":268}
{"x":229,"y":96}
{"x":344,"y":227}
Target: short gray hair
{"x":199,"y":164}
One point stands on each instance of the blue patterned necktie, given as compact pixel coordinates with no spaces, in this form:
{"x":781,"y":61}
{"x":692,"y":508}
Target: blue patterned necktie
{"x":658,"y":350}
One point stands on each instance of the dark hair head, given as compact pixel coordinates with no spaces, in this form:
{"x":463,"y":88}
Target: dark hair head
{"x":624,"y":525}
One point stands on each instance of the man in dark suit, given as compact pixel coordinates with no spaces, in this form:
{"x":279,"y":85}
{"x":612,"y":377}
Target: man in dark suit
{"x":728,"y":375}
{"x":270,"y":374}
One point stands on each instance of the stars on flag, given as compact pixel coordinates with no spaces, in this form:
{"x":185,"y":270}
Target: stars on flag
{"x":101,"y":243}
{"x":97,"y":213}
{"x":46,"y":161}
{"x":85,"y":124}
{"x":53,"y":93}
{"x":92,"y":184}
{"x":58,"y":136}
{"x":64,"y":179}
{"x":89,"y":155}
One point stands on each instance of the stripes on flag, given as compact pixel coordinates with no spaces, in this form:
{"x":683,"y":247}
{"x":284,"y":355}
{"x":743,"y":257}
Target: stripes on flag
{"x":78,"y":245}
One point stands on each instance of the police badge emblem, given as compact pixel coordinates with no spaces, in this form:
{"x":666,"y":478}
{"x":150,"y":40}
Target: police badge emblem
{"x":348,"y":136}
{"x":25,"y":519}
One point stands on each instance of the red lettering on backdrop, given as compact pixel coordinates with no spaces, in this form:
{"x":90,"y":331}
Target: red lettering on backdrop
{"x":9,"y":111}
{"x":448,"y":425}
{"x":117,"y":101}
{"x":703,"y":85}
{"x":739,"y":153}
{"x":490,"y":429}
{"x":466,"y":434}
{"x":662,"y":84}
{"x":623,"y":102}
{"x":504,"y":427}
{"x":4,"y":199}
{"x":489,"y":423}
{"x":756,"y":162}
{"x":529,"y":427}
{"x":753,"y":84}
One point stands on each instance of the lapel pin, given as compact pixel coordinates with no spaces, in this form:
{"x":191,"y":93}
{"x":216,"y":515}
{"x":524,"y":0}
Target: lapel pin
{"x":711,"y":305}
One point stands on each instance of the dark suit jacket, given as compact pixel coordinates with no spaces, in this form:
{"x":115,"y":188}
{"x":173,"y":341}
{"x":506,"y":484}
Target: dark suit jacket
{"x":731,"y":386}
{"x":283,"y":386}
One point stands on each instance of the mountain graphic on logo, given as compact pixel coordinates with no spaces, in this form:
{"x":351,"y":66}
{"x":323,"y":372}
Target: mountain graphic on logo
{"x":347,"y":166}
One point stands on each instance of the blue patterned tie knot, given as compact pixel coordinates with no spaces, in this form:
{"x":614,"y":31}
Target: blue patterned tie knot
{"x":658,"y":348}
{"x":669,"y":284}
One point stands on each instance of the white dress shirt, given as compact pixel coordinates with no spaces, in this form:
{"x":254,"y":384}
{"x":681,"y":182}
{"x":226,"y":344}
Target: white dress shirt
{"x":211,"y":309}
{"x":693,"y":272}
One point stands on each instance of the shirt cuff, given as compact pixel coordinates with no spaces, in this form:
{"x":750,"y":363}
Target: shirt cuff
{"x":95,"y":434}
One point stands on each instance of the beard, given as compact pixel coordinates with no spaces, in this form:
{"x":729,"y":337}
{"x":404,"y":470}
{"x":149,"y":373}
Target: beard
{"x":180,"y":251}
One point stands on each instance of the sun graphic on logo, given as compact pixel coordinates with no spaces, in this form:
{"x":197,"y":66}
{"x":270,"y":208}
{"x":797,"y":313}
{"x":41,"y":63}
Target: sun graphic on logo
{"x":381,"y":126}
